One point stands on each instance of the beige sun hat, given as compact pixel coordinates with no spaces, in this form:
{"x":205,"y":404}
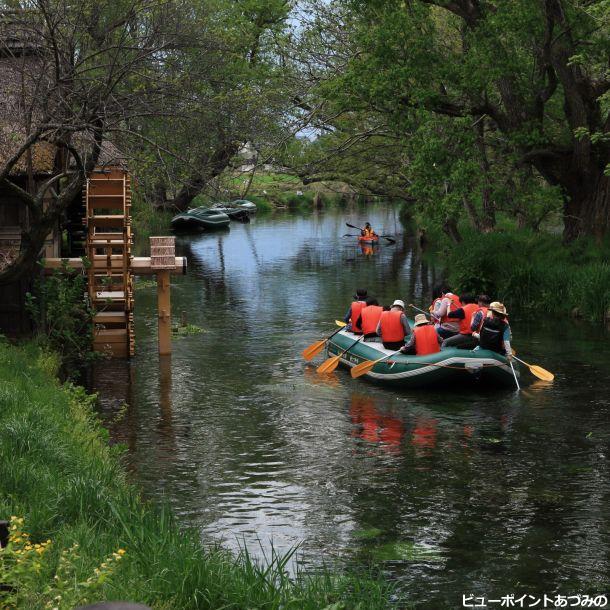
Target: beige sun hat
{"x":498,"y":308}
{"x":398,"y":303}
{"x":420,"y":319}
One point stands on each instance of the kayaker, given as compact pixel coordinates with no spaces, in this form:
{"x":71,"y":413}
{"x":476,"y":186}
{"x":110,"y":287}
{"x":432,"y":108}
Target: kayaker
{"x":393,"y":326}
{"x":367,"y":232}
{"x":369,"y":319}
{"x":354,"y":311}
{"x":424,"y":339}
{"x":449,"y":302}
{"x":480,"y":314}
{"x":464,"y":339}
{"x":495,"y":334}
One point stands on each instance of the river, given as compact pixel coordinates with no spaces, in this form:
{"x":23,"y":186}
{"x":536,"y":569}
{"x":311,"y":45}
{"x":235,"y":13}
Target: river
{"x":447,"y":492}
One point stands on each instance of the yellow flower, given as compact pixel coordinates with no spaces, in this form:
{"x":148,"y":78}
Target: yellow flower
{"x":121,"y":551}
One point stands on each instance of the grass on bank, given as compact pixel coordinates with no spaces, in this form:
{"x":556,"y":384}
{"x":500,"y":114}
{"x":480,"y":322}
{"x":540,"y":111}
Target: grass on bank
{"x":58,"y":473}
{"x":534,"y":271}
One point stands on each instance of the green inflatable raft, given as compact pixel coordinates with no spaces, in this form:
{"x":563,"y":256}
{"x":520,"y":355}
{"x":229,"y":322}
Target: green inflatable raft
{"x":443,"y":369}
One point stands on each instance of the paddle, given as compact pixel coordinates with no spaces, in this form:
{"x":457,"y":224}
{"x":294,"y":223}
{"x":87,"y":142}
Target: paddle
{"x":315,"y":348}
{"x":390,"y":239}
{"x":329,"y":365}
{"x":537,"y":371}
{"x":427,"y":313}
{"x":367,"y":365}
{"x":514,"y":375}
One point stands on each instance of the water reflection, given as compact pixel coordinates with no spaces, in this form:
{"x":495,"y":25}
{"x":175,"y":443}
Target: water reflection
{"x":449,"y":491}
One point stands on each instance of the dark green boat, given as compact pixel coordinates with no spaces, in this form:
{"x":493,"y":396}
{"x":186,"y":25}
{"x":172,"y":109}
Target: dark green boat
{"x":200,"y":219}
{"x":446,"y":368}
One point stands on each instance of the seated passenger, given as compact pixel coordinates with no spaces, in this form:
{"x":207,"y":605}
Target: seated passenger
{"x":369,"y":318}
{"x":463,"y":340}
{"x":495,"y":332}
{"x":424,"y":339}
{"x":393,"y":326}
{"x":480,"y":314}
{"x":353,"y":313}
{"x":445,"y":326}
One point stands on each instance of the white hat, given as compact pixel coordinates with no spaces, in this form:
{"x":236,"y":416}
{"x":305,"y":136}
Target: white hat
{"x":398,"y":303}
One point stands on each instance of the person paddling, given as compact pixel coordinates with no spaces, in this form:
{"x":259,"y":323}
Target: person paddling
{"x":424,"y":339}
{"x":354,"y":311}
{"x":367,"y":232}
{"x":369,"y":318}
{"x":393,"y":326}
{"x":495,"y":334}
{"x":464,"y":339}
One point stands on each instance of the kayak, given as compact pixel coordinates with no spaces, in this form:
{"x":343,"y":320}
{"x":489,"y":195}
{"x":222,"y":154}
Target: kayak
{"x":200,"y":218}
{"x":368,"y":241}
{"x":445,"y":368}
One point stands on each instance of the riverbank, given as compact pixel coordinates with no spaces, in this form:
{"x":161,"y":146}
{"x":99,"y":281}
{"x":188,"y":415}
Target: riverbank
{"x":60,"y":476}
{"x":533,"y":272}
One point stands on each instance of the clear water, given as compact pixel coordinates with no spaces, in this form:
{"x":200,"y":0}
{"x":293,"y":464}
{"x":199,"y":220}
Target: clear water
{"x":448,"y":493}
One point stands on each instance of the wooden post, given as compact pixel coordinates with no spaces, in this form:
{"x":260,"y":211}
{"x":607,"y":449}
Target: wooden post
{"x":165,"y":312}
{"x":162,"y":260}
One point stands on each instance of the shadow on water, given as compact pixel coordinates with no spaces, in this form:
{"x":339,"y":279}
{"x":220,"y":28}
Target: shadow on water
{"x":450,"y":491}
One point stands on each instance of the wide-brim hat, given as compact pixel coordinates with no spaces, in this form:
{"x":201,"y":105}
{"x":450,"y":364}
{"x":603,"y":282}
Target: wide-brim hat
{"x":420,"y":319}
{"x":498,"y":308}
{"x":398,"y":303}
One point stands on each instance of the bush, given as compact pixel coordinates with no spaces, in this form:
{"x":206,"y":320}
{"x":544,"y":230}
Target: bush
{"x":64,"y":318}
{"x":533,"y":271}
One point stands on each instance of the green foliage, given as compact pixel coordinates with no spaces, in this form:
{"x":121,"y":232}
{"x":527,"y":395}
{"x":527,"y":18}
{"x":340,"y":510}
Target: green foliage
{"x":534,"y":272}
{"x":63,"y":317}
{"x":59,"y":474}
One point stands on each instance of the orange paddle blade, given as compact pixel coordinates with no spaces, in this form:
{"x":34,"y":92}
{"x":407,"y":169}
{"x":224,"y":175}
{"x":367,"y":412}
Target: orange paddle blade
{"x":363,"y":368}
{"x":329,"y":365}
{"x":541,"y":373}
{"x":313,"y":350}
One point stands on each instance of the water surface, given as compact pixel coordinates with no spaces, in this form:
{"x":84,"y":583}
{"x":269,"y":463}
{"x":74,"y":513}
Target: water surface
{"x":448,"y":492}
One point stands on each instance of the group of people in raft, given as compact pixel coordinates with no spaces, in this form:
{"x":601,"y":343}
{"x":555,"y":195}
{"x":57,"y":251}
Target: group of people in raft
{"x":463,"y":322}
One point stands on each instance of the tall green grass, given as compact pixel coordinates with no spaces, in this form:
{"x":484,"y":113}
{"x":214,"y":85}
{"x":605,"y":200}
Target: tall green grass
{"x":534,"y":271}
{"x":57,"y":471}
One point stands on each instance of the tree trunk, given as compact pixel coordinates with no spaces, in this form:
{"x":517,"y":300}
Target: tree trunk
{"x":450,"y":229}
{"x":213,"y":166}
{"x":587,"y":210}
{"x":473,"y":215}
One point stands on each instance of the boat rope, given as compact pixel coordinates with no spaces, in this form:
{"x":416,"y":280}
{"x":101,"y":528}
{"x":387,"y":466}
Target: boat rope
{"x":448,"y":366}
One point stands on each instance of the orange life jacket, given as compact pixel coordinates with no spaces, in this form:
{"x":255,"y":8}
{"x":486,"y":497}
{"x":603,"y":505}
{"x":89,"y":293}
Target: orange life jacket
{"x":357,"y":307}
{"x":368,"y":232}
{"x":483,"y":310}
{"x":469,"y":311}
{"x":370,"y":319}
{"x":455,"y":304}
{"x":426,"y":340}
{"x":391,"y":326}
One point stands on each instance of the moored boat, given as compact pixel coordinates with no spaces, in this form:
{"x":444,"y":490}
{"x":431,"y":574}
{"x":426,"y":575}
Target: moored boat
{"x":445,"y":368}
{"x":244,"y":204}
{"x":200,"y":219}
{"x":233,"y":212}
